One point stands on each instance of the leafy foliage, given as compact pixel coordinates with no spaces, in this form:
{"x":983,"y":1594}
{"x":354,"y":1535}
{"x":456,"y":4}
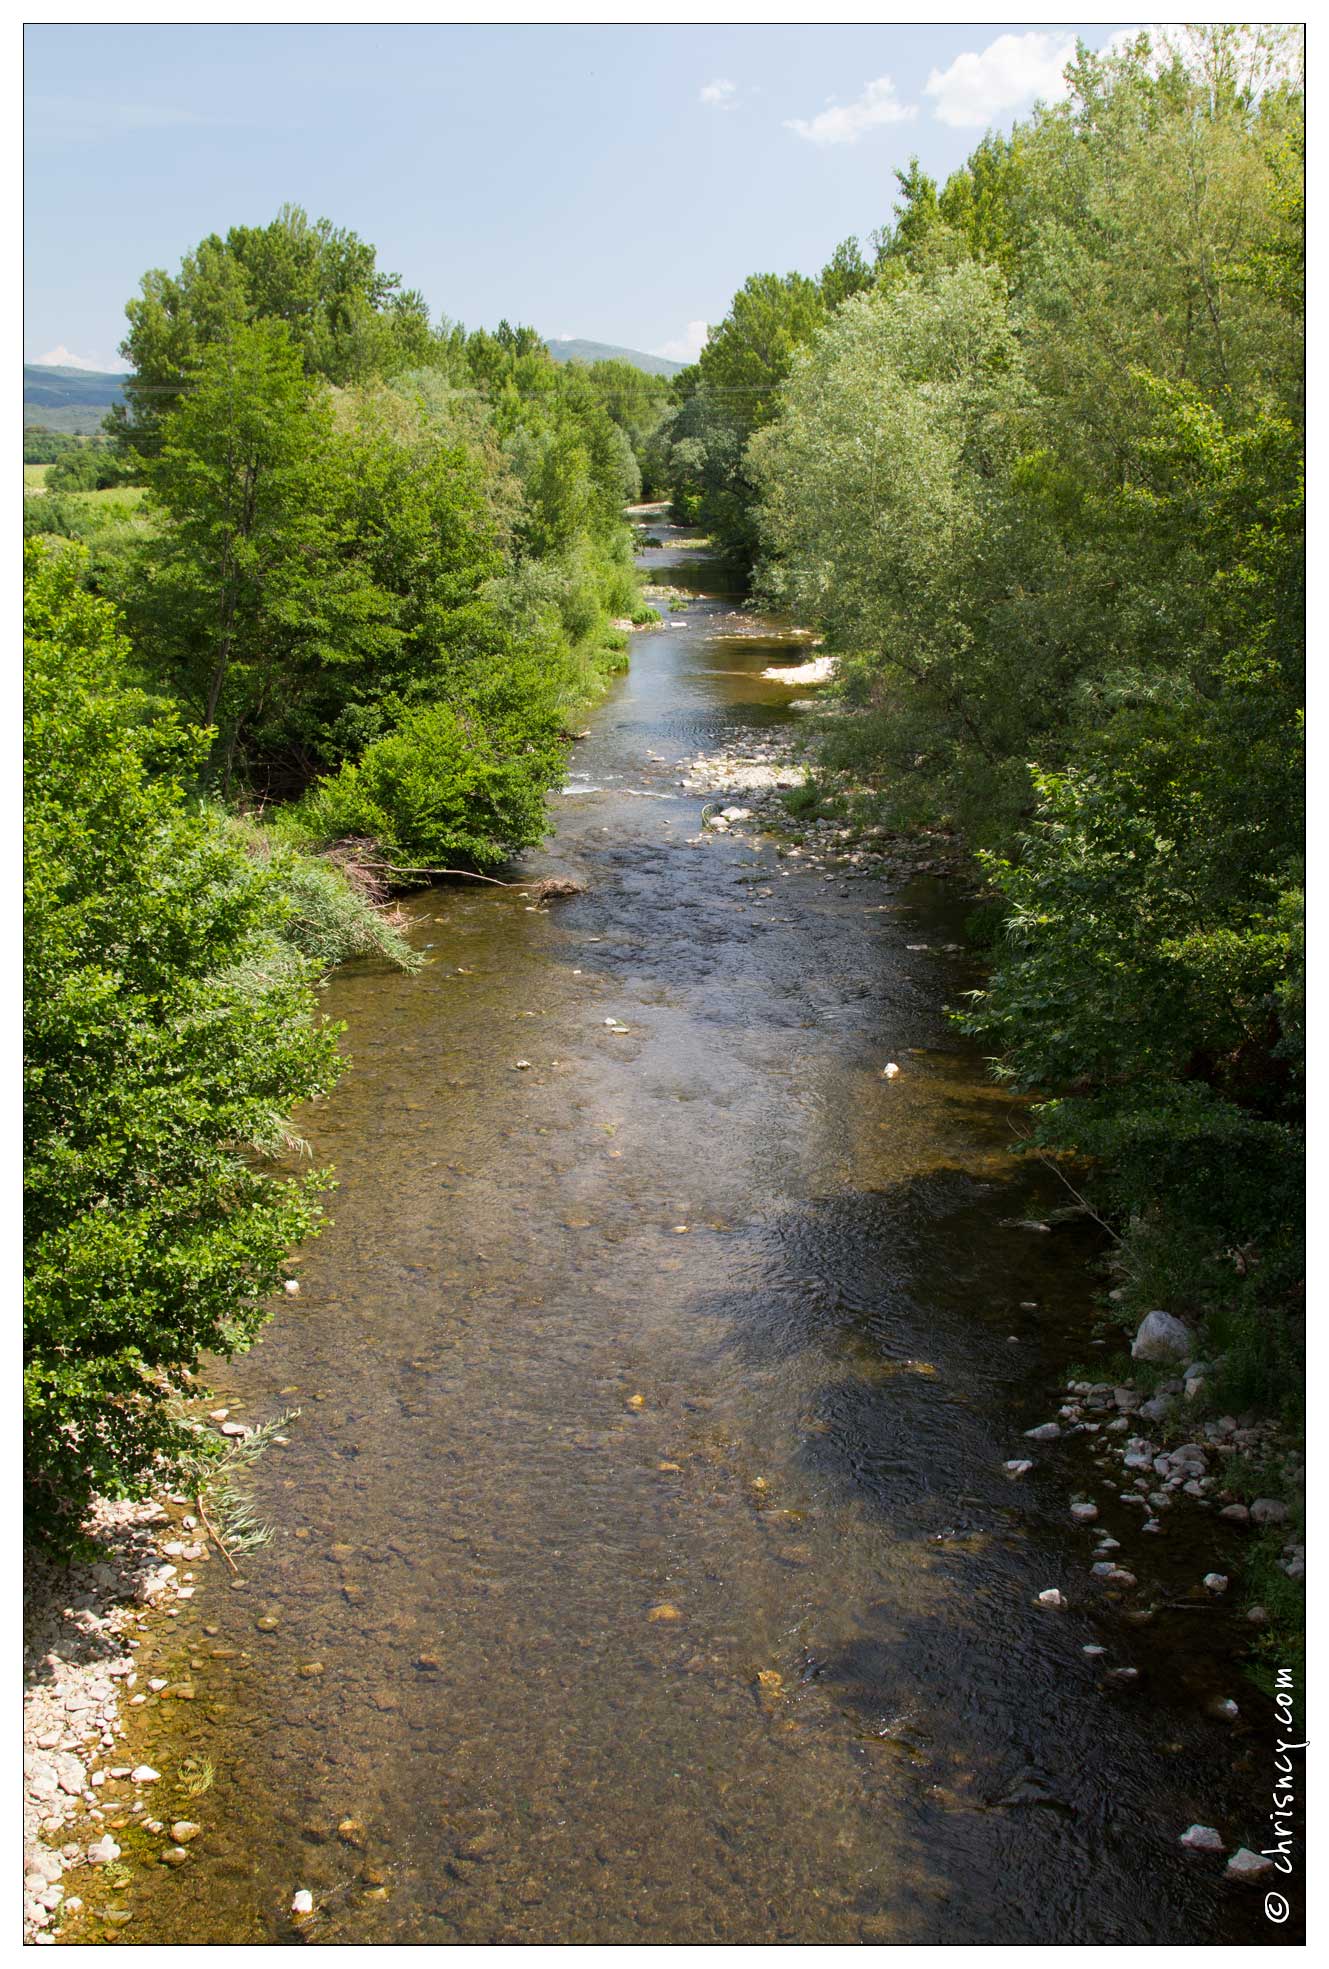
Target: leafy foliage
{"x":1041,"y":487}
{"x":168,"y":1032}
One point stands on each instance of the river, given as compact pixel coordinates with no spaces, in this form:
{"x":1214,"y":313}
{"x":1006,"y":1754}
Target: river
{"x":644,"y":1565}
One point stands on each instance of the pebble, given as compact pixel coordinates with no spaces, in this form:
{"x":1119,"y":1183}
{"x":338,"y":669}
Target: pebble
{"x":1268,"y":1511}
{"x":1046,"y":1432}
{"x":174,"y":1856}
{"x":1019,"y":1466}
{"x":103,"y":1851}
{"x":1084,"y":1514}
{"x":1215,"y":1582}
{"x":302,"y":1902}
{"x":1225,"y":1709}
{"x":184,"y":1830}
{"x":1051,"y":1597}
{"x":1202,"y":1839}
{"x":144,"y":1774}
{"x":1246,"y":1865}
{"x":1161,"y":1337}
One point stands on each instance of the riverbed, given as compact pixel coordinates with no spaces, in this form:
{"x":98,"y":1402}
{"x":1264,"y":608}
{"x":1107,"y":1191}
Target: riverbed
{"x":644,"y":1566}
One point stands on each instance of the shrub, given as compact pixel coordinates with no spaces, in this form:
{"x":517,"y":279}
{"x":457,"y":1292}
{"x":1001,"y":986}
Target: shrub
{"x":447,"y":788}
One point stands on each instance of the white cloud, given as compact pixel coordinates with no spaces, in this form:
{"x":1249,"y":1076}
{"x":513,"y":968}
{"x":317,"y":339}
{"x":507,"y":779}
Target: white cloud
{"x":688,"y":346}
{"x":63,"y":358}
{"x":1011,"y":71}
{"x":845,"y":123}
{"x":719,"y":94}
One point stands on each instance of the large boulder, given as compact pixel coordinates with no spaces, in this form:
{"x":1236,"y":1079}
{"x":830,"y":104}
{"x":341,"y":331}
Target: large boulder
{"x":1162,"y":1337}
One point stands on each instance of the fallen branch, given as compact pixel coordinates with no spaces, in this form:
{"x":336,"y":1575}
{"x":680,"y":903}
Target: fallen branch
{"x":1048,"y":1163}
{"x":466,"y":874}
{"x":215,"y":1535}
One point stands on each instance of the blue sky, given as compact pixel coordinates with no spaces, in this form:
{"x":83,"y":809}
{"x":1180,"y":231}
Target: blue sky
{"x":611,"y":182}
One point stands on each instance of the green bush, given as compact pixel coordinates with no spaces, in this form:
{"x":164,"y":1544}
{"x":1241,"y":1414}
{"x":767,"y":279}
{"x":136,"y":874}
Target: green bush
{"x":168,"y":1033}
{"x":446,"y":789}
{"x":43,"y":447}
{"x":88,"y":468}
{"x":333,"y":910}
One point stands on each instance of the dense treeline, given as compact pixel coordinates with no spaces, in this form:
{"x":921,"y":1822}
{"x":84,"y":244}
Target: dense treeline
{"x":340,"y":569}
{"x":1036,"y":475}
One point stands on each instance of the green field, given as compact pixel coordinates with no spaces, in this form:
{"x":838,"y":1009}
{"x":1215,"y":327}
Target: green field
{"x":34,"y":478}
{"x":127,"y":496}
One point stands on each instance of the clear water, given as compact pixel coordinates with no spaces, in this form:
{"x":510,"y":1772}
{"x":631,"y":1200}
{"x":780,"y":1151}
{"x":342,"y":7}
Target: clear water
{"x":665,"y":1582}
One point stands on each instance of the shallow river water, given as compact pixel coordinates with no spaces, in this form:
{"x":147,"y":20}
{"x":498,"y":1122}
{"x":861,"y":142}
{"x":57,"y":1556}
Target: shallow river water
{"x":644,"y":1565}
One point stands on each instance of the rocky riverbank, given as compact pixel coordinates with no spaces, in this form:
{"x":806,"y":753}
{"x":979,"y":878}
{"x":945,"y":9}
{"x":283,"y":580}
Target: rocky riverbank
{"x":84,"y":1627}
{"x":1168,"y":1500}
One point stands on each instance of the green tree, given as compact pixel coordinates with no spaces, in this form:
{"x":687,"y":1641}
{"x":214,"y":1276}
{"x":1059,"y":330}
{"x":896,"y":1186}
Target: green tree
{"x":168,"y":1033}
{"x":251,"y":590}
{"x":348,"y":320}
{"x":734,"y":392}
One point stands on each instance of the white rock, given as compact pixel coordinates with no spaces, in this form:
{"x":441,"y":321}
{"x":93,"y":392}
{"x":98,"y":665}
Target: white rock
{"x":1046,"y":1432}
{"x":1202,"y":1839}
{"x":144,"y":1774}
{"x":1215,"y":1582}
{"x":1268,"y":1511}
{"x":890,"y":1070}
{"x":302,"y":1902}
{"x":103,"y":1851}
{"x":1093,"y":1649}
{"x":293,"y":1287}
{"x":1161,"y":1337}
{"x":1019,"y":1466}
{"x":1246,"y":1865}
{"x":1050,"y":1597}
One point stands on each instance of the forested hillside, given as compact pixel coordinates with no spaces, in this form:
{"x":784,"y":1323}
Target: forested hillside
{"x":69,"y":400}
{"x":1033,"y":465}
{"x":342,"y":578}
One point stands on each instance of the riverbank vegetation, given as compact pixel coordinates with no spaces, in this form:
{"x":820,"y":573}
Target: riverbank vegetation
{"x":1034,"y":470}
{"x":314,"y":622}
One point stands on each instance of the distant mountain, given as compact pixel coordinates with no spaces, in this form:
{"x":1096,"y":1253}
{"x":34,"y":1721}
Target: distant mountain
{"x":76,"y":400}
{"x":73,"y":400}
{"x":578,"y":351}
